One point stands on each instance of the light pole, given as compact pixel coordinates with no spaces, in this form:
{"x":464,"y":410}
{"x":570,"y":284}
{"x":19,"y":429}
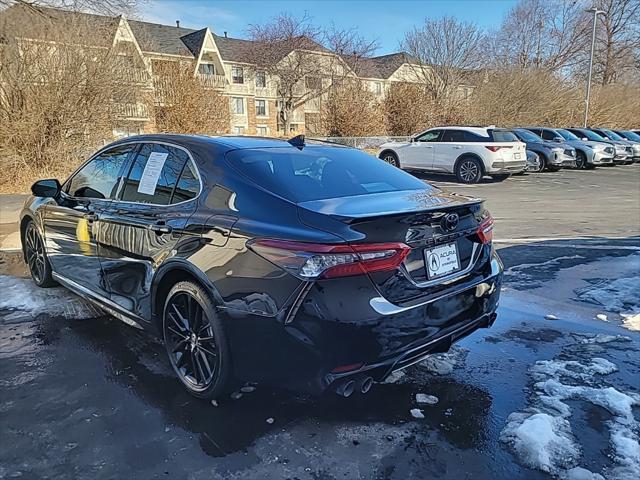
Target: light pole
{"x":596,"y":12}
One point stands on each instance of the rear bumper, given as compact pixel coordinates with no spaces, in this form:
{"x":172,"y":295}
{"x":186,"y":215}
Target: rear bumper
{"x":336,"y":326}
{"x":507,"y":167}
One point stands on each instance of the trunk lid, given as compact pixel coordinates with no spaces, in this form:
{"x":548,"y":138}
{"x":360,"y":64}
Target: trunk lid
{"x":430,"y":222}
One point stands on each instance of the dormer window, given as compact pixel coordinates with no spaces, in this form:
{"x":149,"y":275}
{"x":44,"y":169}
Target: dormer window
{"x":237,"y":75}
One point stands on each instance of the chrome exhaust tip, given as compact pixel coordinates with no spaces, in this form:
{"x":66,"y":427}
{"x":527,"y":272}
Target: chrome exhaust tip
{"x":345,"y":389}
{"x":365,"y":384}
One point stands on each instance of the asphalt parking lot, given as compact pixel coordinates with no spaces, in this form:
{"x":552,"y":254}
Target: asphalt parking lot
{"x":551,"y":390}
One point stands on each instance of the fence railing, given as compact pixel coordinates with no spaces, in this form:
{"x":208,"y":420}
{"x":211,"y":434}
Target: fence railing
{"x":364,"y":142}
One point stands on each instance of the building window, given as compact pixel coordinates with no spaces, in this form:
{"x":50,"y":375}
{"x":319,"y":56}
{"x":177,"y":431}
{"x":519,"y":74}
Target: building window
{"x":312,"y":83}
{"x":293,"y":127}
{"x":378,"y":88}
{"x":262,"y":131}
{"x":237,"y":75}
{"x":261,"y":108}
{"x":261,"y":79}
{"x":207,"y":69}
{"x":237,"y":105}
{"x":238,"y":130}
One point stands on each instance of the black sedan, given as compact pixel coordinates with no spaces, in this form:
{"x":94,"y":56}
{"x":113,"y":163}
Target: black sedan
{"x":303,"y":265}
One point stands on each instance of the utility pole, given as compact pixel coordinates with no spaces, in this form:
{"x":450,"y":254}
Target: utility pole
{"x":595,"y":12}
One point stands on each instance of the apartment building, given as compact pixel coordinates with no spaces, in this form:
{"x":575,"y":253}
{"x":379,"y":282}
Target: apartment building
{"x":223,"y":63}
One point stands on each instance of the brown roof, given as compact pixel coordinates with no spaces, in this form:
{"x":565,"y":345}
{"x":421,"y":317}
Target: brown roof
{"x":378,"y":67}
{"x":153,"y":37}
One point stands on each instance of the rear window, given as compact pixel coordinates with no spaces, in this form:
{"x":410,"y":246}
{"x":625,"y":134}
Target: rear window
{"x":504,"y":136}
{"x":317,"y":173}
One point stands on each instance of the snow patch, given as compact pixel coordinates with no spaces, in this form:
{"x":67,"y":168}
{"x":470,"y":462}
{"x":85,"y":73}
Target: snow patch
{"x":541,"y":441}
{"x":602,"y":316}
{"x":617,"y":296}
{"x":631,"y":322}
{"x":424,"y":399}
{"x":541,"y":436}
{"x":444,"y":363}
{"x":550,"y":317}
{"x":603,"y":338}
{"x":394,"y":376}
{"x":416,"y":413}
{"x":22,"y":296}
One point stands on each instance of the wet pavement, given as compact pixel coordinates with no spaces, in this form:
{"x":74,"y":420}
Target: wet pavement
{"x":85,"y":396}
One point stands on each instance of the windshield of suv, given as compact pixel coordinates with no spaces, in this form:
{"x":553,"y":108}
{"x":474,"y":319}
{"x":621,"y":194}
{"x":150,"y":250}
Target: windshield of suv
{"x":566,"y":134}
{"x":593,"y":136}
{"x":504,"y":136}
{"x":613,"y":135}
{"x":318,"y":172}
{"x":631,"y":135}
{"x":527,"y":136}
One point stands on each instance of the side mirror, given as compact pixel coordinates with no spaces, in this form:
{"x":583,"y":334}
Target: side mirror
{"x":558,"y":139}
{"x":46,"y":188}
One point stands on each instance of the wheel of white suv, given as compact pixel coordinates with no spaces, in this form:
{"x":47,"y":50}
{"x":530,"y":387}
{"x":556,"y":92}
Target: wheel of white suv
{"x":469,"y":170}
{"x":581,"y":160}
{"x":391,"y":158}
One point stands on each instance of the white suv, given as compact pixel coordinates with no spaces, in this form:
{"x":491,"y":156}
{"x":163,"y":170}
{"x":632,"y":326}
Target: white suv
{"x":468,"y":152}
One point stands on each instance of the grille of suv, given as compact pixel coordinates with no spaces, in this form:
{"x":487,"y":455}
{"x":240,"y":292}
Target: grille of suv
{"x":629,"y":150}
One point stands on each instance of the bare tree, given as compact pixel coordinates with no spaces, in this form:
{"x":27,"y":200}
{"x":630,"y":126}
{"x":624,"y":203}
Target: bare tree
{"x":408,"y":109}
{"x":185,"y":104}
{"x":101,"y":7}
{"x":303,"y":61}
{"x":618,"y":40}
{"x":442,"y":51}
{"x":541,"y":34}
{"x":352,"y":110}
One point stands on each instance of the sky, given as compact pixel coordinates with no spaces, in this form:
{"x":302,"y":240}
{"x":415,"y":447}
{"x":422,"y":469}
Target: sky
{"x":382,"y":20}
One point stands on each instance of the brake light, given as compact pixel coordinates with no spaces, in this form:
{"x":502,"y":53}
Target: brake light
{"x":495,"y":148}
{"x":313,"y":260}
{"x":485,"y":230}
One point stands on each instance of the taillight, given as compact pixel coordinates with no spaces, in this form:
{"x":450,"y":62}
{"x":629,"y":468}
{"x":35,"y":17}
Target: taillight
{"x":314,"y":260}
{"x":485,"y":230}
{"x":495,"y":148}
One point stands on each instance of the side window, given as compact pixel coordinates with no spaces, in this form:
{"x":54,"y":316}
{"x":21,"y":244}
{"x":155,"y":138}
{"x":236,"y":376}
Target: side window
{"x":154,"y":174}
{"x":454,"y":136}
{"x":474,"y":137}
{"x":99,"y":178}
{"x":430,"y":136}
{"x":548,"y":135}
{"x":188,"y":185}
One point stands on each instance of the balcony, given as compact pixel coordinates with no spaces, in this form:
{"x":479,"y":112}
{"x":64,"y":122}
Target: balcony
{"x":132,"y":111}
{"x":213,"y":81}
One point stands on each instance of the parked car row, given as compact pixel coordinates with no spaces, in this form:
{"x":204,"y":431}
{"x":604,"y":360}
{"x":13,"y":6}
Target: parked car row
{"x":471,"y":152}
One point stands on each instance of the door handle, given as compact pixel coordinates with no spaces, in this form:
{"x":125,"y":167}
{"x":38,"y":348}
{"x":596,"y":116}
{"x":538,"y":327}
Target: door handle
{"x":428,"y":146}
{"x":160,"y":228}
{"x":457,"y":147}
{"x":90,"y":217}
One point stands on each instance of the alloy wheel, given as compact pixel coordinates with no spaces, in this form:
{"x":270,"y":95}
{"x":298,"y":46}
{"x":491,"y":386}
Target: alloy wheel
{"x":468,"y":171}
{"x":391,"y":159}
{"x":34,"y":250}
{"x":190,"y":341}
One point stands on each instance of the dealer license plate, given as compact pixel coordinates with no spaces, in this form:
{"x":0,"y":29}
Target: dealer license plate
{"x":441,"y":260}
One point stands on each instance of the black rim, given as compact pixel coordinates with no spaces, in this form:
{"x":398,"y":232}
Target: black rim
{"x":35,"y":253}
{"x":190,"y":341}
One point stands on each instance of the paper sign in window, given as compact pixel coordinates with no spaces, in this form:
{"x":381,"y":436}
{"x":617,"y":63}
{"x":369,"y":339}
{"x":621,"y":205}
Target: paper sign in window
{"x":151,"y":173}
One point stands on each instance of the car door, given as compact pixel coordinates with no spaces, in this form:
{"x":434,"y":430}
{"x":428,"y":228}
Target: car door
{"x":419,"y":154}
{"x":448,"y":149}
{"x":144,"y":225}
{"x":71,"y":223}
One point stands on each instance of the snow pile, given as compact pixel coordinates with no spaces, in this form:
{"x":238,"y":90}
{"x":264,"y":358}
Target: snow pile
{"x":22,"y":296}
{"x":541,"y":435}
{"x":541,"y":441}
{"x":424,"y":399}
{"x":444,"y":363}
{"x":602,"y":338}
{"x":416,"y":413}
{"x":602,"y":316}
{"x":631,"y":322}
{"x":618,"y":296}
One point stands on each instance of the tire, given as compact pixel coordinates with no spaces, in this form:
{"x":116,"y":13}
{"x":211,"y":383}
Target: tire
{"x":501,"y":177}
{"x":581,"y":160}
{"x":195,"y":341}
{"x":36,"y":257}
{"x":391,"y":158}
{"x":540,"y":165}
{"x":469,"y":170}
{"x":543,"y":163}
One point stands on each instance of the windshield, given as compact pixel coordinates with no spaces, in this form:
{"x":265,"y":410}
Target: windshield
{"x":592,"y":136}
{"x":566,"y":134}
{"x":527,"y":136}
{"x":613,"y":135}
{"x":319,"y":172}
{"x":631,"y":135}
